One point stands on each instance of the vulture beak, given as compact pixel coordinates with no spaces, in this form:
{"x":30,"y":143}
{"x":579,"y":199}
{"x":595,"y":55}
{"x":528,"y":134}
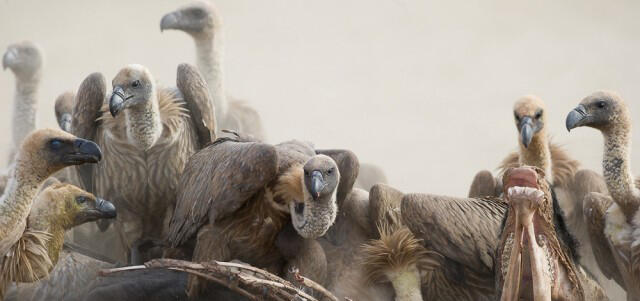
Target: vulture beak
{"x":116,"y":103}
{"x":84,"y":151}
{"x":577,"y":117}
{"x":317,"y":184}
{"x":106,"y":209}
{"x":7,"y":58}
{"x":170,"y":21}
{"x":65,"y":122}
{"x":527,"y":129}
{"x":525,"y":198}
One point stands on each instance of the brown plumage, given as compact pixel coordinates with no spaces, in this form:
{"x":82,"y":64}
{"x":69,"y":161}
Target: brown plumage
{"x":235,"y":197}
{"x":147,"y":134}
{"x":57,"y":209}
{"x":563,"y":167}
{"x":608,"y":113}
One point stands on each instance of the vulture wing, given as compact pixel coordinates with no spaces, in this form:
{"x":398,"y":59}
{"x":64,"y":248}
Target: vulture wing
{"x":349,"y":167}
{"x":384,"y":207}
{"x":84,"y":124}
{"x":595,"y":211}
{"x":217,"y":181}
{"x":465,"y":230}
{"x":198,"y":101}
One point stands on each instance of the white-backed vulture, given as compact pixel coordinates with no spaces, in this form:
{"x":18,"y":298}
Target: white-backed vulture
{"x":147,"y":134}
{"x":569,"y":184}
{"x":57,"y":209}
{"x":616,"y":240}
{"x":41,"y":154}
{"x":64,"y":110}
{"x":25,"y":61}
{"x":203,"y":23}
{"x":235,"y":197}
{"x":533,"y":262}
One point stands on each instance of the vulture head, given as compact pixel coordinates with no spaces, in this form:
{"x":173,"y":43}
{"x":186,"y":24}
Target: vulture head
{"x":64,"y":109}
{"x":529,"y":114}
{"x":196,"y":19}
{"x":71,"y":206}
{"x":46,"y":151}
{"x":133,"y":88}
{"x":316,"y":213}
{"x":601,"y":110}
{"x":24,"y":59}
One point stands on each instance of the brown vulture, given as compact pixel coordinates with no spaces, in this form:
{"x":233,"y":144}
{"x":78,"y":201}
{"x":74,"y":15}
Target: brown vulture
{"x":57,"y":209}
{"x":613,"y":219}
{"x":147,"y":134}
{"x":236,"y":196}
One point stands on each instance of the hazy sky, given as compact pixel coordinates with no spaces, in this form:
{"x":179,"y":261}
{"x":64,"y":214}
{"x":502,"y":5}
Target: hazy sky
{"x":423,"y":89}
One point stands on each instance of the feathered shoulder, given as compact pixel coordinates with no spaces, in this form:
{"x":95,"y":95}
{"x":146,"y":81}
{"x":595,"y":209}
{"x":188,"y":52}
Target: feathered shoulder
{"x":28,"y":259}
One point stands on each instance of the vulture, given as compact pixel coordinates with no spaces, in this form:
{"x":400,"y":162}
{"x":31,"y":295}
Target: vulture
{"x":41,"y":154}
{"x":201,"y":21}
{"x":147,"y":134}
{"x":533,"y":263}
{"x":417,"y":272}
{"x":25,"y":61}
{"x":56,"y":209}
{"x":612,"y":219}
{"x":570,"y":184}
{"x":237,"y":198}
{"x":64,"y":110}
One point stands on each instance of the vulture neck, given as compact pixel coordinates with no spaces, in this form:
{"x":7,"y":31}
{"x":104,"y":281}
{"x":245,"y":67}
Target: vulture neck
{"x":16,"y":202}
{"x":538,"y":154}
{"x":144,"y":125}
{"x":53,"y":224}
{"x":616,"y":167}
{"x":24,"y":107}
{"x":406,"y":284}
{"x":209,"y":56}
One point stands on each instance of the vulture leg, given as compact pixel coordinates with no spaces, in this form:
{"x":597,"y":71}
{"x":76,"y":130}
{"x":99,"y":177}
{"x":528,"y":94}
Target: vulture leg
{"x":484,"y":184}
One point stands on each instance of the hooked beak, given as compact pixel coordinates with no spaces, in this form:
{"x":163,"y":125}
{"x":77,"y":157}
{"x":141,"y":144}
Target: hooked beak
{"x":84,"y":151}
{"x":65,"y":122}
{"x":526,"y":131}
{"x":106,"y":209}
{"x":116,"y":103}
{"x":170,"y":21}
{"x":577,"y":117}
{"x":7,"y":58}
{"x":317,"y":184}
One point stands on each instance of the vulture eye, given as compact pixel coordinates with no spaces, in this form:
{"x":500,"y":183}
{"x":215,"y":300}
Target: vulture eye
{"x":330,"y":171}
{"x":517,"y":117}
{"x":306,"y":173}
{"x":538,"y":114}
{"x":135,"y":84}
{"x":81,"y":200}
{"x":55,"y":144}
{"x":601,"y":104}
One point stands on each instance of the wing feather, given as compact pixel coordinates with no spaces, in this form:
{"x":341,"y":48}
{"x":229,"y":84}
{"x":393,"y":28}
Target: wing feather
{"x":198,"y":101}
{"x":84,"y":124}
{"x":465,"y":230}
{"x":217,"y":181}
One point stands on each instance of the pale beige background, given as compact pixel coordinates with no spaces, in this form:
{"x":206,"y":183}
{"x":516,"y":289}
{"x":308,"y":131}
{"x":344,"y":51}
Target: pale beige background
{"x":423,"y":89}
